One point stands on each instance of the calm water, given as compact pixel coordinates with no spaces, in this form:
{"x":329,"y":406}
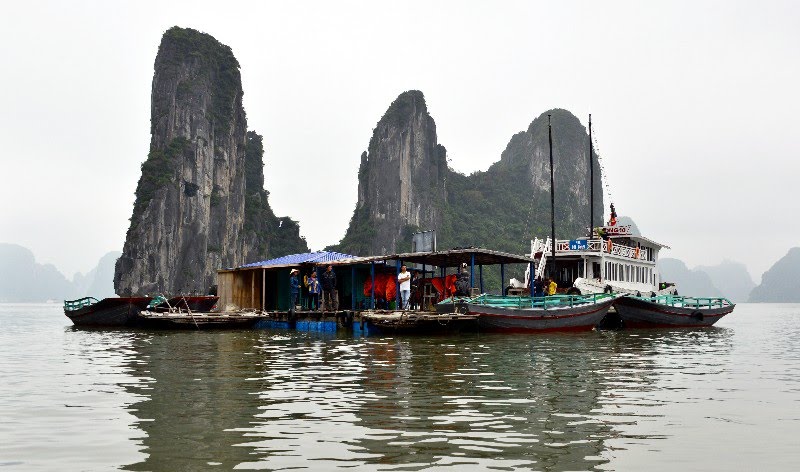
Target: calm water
{"x":726,"y":398}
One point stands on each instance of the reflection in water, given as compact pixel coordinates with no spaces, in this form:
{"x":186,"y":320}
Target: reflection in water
{"x":514,"y":402}
{"x":276,"y":400}
{"x":196,"y":395}
{"x":657,"y":400}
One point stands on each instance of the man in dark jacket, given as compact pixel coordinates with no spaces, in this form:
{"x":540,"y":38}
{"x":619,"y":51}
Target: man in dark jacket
{"x":330,"y":299}
{"x":294,"y":288}
{"x":538,"y":287}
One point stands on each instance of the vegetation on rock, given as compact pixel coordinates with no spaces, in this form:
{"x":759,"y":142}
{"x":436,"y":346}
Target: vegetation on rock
{"x":158,"y":171}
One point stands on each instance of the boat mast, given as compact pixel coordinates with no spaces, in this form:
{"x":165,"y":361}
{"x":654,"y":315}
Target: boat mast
{"x":552,"y":200}
{"x":591,"y":181}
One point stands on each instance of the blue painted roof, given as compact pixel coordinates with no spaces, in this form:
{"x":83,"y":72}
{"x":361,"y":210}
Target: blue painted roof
{"x":305,"y":258}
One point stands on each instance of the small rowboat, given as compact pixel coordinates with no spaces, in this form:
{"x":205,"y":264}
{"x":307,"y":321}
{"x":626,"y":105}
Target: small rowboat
{"x":671,"y":311}
{"x":540,"y":314}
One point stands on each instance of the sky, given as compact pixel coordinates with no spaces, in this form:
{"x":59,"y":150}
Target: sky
{"x":694,"y":108}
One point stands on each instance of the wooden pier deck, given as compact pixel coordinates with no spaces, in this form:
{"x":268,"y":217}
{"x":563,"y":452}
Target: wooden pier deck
{"x":345,"y":320}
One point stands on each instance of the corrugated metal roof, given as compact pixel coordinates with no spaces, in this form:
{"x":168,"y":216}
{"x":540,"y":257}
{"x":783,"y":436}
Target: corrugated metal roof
{"x":304,"y":258}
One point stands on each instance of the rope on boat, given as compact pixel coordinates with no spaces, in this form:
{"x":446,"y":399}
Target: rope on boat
{"x":603,"y":174}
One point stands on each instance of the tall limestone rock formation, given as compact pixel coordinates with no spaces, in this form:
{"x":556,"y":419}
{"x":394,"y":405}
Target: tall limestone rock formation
{"x":200,"y":202}
{"x":509,"y":204}
{"x":401,"y":180}
{"x":405,"y":185}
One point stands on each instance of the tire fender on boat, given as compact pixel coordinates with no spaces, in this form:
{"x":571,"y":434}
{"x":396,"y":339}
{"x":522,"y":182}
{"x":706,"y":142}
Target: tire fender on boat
{"x":608,"y":289}
{"x":697,"y":315}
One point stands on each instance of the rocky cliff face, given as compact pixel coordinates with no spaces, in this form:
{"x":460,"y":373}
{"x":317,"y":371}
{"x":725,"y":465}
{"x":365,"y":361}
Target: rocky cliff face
{"x":401,"y":179}
{"x":200,"y":203}
{"x":405,"y":185}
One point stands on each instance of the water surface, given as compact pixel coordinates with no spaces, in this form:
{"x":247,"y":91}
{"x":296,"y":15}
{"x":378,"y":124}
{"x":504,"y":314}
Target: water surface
{"x":724,"y":398}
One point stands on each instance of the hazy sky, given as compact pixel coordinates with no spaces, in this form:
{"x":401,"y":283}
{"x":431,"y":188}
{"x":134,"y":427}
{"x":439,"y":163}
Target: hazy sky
{"x":695,"y":107}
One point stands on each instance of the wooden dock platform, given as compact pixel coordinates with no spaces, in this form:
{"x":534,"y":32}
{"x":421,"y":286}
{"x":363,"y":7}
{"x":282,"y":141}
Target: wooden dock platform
{"x":363,"y":322}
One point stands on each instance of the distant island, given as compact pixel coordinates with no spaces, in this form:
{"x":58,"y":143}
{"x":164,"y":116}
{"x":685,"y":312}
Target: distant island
{"x":22,"y":279}
{"x":728,"y":279}
{"x":781,"y":283}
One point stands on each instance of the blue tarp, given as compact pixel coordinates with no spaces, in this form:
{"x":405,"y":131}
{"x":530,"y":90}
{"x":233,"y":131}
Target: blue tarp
{"x":305,"y":258}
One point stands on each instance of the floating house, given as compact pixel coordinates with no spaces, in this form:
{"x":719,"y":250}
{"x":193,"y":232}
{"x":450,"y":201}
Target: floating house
{"x":264,"y":285}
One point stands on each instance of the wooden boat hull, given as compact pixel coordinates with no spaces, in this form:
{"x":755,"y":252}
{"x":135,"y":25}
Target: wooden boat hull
{"x":122,"y":311}
{"x":420,"y":322}
{"x":198,"y":321}
{"x":639,"y":313}
{"x":582,"y":317}
{"x":203,"y":303}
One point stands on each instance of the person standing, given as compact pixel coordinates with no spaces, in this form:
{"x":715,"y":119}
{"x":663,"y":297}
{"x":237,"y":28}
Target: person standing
{"x":404,"y":278}
{"x":294,"y":287}
{"x":538,"y":287}
{"x":314,"y":288}
{"x":330,"y":300}
{"x":552,"y":287}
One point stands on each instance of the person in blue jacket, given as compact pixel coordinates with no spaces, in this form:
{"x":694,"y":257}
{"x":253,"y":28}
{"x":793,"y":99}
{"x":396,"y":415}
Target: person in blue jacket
{"x":314,"y":289}
{"x":294,"y":286}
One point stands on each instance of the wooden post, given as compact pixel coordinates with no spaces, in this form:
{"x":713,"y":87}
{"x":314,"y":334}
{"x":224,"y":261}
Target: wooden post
{"x":503,"y":280}
{"x":530,"y":279}
{"x":480,"y":277}
{"x":471,"y":271}
{"x":372,"y":274}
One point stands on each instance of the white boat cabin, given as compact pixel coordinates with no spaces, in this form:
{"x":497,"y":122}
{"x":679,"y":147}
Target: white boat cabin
{"x":618,"y":261}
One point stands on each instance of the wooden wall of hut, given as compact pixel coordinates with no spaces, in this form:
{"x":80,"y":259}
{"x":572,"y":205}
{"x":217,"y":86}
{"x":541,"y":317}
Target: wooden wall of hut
{"x":241,"y":289}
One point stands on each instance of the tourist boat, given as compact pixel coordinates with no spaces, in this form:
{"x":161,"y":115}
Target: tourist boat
{"x":118,"y":311}
{"x":668,"y":311}
{"x":617,"y":262}
{"x":540,"y":314}
{"x":610,"y":260}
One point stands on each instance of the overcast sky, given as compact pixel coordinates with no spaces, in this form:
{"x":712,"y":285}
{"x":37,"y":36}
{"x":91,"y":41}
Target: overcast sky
{"x":695,"y":107}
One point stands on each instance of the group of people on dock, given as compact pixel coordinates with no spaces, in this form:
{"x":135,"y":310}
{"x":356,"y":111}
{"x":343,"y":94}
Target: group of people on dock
{"x":314,"y":287}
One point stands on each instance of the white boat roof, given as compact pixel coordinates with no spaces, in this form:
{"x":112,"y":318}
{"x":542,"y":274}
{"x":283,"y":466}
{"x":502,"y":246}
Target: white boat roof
{"x":642,"y":239}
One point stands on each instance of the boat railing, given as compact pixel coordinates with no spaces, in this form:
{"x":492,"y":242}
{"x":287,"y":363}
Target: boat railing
{"x":690,"y":302}
{"x":545,"y":303}
{"x":72,"y":305}
{"x":600,"y":245}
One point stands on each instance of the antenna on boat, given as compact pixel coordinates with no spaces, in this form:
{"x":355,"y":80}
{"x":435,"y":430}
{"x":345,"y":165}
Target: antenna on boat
{"x":552,"y":200}
{"x":591,"y":181}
